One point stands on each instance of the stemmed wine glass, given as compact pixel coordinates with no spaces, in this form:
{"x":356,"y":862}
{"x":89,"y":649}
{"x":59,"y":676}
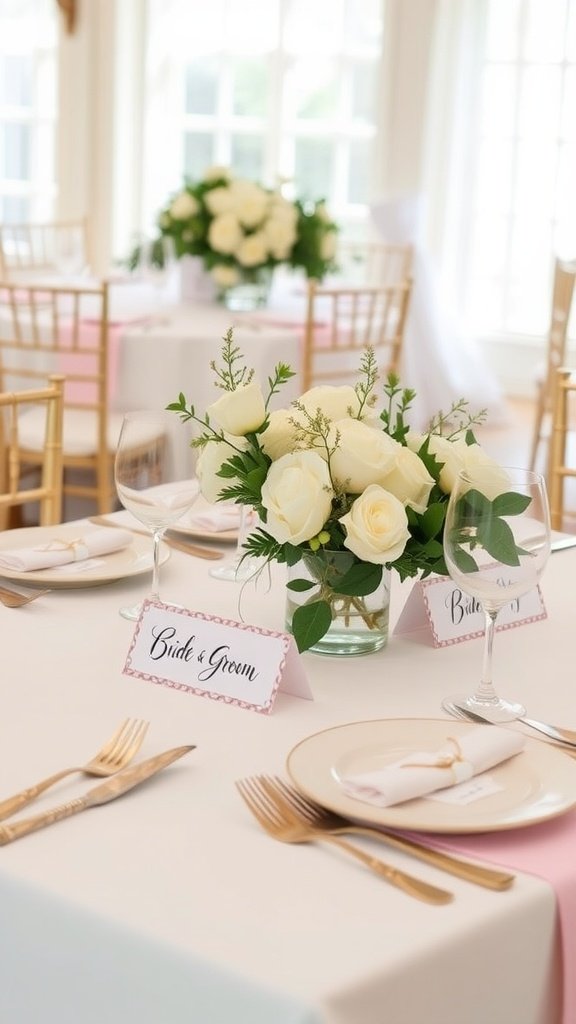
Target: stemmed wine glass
{"x":496,"y":546}
{"x":146,"y":484}
{"x":242,"y":566}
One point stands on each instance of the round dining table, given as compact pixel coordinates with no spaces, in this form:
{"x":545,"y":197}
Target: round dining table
{"x":172,"y":906}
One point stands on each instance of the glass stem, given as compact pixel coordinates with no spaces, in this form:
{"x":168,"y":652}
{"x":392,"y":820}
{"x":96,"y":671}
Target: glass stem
{"x":485,"y":691}
{"x":155,"y":593}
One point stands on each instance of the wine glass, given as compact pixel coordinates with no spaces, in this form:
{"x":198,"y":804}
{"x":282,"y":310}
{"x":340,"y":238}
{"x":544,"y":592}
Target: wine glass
{"x":242,"y":566}
{"x":496,"y":551}
{"x":146,"y":484}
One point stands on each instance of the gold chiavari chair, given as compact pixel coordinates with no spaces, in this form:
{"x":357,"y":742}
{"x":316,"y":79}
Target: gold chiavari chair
{"x":14,"y":407}
{"x":65,"y":329}
{"x":562,"y":463}
{"x":30,"y":252}
{"x":342,"y":321}
{"x":373,"y":263}
{"x":562,"y":294}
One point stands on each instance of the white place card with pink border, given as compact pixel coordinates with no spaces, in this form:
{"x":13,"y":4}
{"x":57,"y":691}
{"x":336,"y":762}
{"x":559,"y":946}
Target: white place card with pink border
{"x":439,"y":613}
{"x":221,"y":659}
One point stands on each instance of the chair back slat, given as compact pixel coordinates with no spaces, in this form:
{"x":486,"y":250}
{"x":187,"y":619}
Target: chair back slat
{"x":13,"y":406}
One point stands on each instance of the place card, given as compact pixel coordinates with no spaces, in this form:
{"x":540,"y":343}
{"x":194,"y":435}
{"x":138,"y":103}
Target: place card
{"x":217,"y":658}
{"x":439,"y":613}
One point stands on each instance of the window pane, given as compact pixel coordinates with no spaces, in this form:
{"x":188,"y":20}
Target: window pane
{"x":568,"y":129}
{"x":498,"y":100}
{"x":502,"y":32}
{"x":202,"y":86}
{"x":494,"y":171}
{"x":248,"y":156}
{"x":545,"y":31}
{"x":359,"y":176}
{"x":14,"y":209}
{"x":540,"y":99}
{"x":364,"y":85}
{"x":363,"y":25}
{"x":313,"y":28}
{"x":314,"y":167}
{"x":250,"y":87}
{"x":15,"y":152}
{"x":313,"y":89}
{"x":16,"y":80}
{"x":198,"y":154}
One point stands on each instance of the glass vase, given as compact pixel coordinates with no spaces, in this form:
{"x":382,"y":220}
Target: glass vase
{"x":359,"y":624}
{"x":252,"y":292}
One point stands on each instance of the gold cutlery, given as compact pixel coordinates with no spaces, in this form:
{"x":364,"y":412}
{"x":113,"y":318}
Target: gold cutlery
{"x":327,"y":821}
{"x":554,"y":732}
{"x":114,"y":755}
{"x":119,"y":784}
{"x":171,"y":542}
{"x":282,"y":824}
{"x":12,"y":599}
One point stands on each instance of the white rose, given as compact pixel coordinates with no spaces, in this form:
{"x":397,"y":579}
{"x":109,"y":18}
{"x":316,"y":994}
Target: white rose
{"x":282,"y":209}
{"x":409,"y":480}
{"x":280,"y":236}
{"x":250,"y":202}
{"x":363,"y":456}
{"x":279,"y":437}
{"x":333,"y":401}
{"x":252,"y":250}
{"x":216,"y":172}
{"x":225,"y":276}
{"x":211,"y":458}
{"x":297,"y":494}
{"x":241,"y":411}
{"x":183,"y":206}
{"x":486,"y":475}
{"x":446,"y":452}
{"x":219,"y":200}
{"x":376,"y":526}
{"x":328,"y":245}
{"x":224,"y":233}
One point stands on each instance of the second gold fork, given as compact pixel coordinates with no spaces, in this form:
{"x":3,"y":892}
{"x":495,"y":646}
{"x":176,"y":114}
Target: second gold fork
{"x":279,"y":822}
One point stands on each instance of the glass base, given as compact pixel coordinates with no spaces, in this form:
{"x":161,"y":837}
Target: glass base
{"x":237,"y":571}
{"x":350,"y":642}
{"x":495,"y":712}
{"x":131,"y":612}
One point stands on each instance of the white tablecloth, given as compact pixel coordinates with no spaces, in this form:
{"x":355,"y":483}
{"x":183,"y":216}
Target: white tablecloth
{"x":172,"y":352}
{"x":170,"y":906}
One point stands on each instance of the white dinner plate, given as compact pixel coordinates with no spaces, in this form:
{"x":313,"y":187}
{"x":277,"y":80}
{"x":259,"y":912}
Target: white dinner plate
{"x":537,"y":784}
{"x":188,"y":527}
{"x":130,"y":561}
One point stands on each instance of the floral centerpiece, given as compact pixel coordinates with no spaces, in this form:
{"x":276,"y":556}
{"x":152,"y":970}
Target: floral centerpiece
{"x":238,"y":228}
{"x":343,"y":489}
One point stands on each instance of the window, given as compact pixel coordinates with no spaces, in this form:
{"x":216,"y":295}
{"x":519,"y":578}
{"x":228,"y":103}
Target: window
{"x":277,"y":89}
{"x":27,"y":109}
{"x":524,"y":206}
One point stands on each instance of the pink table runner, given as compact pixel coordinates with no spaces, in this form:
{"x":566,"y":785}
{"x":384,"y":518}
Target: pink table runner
{"x":547,"y":850}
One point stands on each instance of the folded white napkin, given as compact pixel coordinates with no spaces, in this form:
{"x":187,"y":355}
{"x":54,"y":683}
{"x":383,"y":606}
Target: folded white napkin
{"x":216,"y":518}
{"x":423,"y":772}
{"x":87,"y":544}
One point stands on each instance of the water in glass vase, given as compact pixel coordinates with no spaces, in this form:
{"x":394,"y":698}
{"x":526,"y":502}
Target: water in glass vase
{"x":359,"y":624}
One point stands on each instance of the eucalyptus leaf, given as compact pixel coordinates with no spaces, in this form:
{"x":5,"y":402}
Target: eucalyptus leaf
{"x":301,"y":585}
{"x":497,"y":539}
{"x":361,"y":579}
{"x":511,"y":504}
{"x":310,"y":623}
{"x":464,"y":561}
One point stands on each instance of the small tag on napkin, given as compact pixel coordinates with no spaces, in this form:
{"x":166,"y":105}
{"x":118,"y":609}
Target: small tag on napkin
{"x":423,"y":772}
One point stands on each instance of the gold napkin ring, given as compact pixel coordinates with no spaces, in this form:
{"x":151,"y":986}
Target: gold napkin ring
{"x":461,"y":770}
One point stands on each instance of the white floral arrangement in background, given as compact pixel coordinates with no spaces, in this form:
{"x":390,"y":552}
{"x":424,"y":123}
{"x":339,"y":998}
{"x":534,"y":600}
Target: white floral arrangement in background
{"x":338,"y":470}
{"x":238,"y":228}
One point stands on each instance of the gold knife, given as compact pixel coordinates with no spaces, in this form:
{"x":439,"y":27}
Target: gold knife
{"x":116,"y":786}
{"x":171,"y":542}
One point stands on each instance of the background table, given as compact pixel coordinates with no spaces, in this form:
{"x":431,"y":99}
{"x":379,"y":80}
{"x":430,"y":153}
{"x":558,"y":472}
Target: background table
{"x":171,"y":906}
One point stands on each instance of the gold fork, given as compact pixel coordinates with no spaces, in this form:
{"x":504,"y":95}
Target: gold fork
{"x":115,"y":754}
{"x":276,"y":818}
{"x":326,"y":821}
{"x":12,"y":599}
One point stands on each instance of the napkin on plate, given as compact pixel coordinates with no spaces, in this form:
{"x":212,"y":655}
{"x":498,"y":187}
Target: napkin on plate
{"x":422,"y":772}
{"x":216,"y":518}
{"x":60,"y":551}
